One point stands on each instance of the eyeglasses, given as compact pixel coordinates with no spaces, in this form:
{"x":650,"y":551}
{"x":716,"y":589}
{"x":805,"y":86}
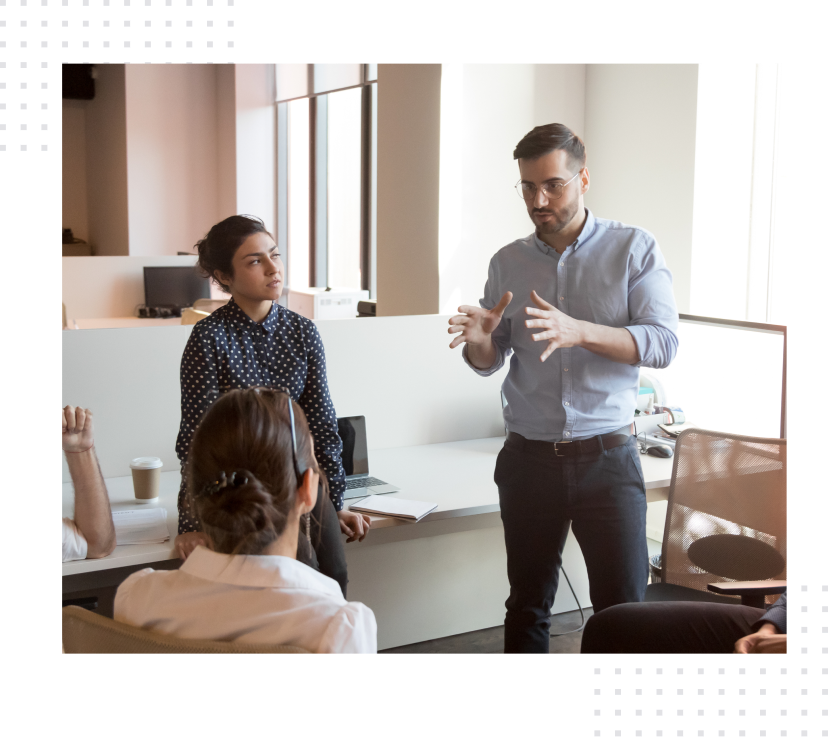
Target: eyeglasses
{"x":552,"y":190}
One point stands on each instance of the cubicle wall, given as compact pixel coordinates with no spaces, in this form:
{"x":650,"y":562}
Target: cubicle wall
{"x":397,"y":371}
{"x":109,"y":286}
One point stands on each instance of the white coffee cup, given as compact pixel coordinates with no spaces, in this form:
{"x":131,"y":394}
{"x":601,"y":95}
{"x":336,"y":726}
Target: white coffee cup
{"x":146,"y":478}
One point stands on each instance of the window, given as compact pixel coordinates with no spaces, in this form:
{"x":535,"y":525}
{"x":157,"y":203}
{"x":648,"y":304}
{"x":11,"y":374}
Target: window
{"x":326,"y":174}
{"x":298,"y":189}
{"x":759,"y":252}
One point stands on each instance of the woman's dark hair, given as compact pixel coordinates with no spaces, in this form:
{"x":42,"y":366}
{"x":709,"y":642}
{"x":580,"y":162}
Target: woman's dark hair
{"x":243,"y":445}
{"x":217,"y":248}
{"x":545,"y":139}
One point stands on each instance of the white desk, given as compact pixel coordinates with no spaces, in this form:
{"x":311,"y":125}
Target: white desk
{"x":89,"y":323}
{"x":440,"y":576}
{"x":459,"y":476}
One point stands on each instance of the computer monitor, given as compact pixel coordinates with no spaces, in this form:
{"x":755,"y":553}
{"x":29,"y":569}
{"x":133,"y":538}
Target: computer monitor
{"x":174,"y":286}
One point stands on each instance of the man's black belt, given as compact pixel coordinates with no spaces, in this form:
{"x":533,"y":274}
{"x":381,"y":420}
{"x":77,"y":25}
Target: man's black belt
{"x":572,"y":448}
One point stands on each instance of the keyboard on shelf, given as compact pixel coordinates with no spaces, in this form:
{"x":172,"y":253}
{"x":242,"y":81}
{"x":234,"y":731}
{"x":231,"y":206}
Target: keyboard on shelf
{"x":360,"y":483}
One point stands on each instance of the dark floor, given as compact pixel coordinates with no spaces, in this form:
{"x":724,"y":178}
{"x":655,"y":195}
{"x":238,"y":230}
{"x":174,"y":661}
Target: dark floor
{"x":491,"y":640}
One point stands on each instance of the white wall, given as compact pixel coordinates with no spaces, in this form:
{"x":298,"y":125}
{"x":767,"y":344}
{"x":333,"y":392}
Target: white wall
{"x":106,"y":163}
{"x":75,"y":215}
{"x":170,"y":149}
{"x":486,"y":110}
{"x":172,"y":156}
{"x":130,"y":378}
{"x":255,"y":127}
{"x":640,"y":138}
{"x":226,"y":139}
{"x":408,"y":175}
{"x":109,"y":286}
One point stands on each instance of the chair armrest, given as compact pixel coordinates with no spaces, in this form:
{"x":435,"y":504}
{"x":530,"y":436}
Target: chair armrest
{"x":790,"y":644}
{"x":753,"y":593}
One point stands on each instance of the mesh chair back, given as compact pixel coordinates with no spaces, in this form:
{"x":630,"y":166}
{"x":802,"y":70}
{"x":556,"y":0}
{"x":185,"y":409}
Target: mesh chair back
{"x":87,"y":632}
{"x":728,"y":501}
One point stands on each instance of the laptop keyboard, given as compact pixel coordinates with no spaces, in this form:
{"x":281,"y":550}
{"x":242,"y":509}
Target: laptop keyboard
{"x":361,"y":483}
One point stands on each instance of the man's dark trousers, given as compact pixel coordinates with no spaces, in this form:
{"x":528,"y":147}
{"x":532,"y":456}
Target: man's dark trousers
{"x":602,"y":496}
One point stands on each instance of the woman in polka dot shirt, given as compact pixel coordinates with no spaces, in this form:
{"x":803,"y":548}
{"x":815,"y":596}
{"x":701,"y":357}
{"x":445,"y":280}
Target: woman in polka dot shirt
{"x":252,"y":341}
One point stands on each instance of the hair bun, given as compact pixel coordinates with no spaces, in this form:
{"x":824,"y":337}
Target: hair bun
{"x":244,"y":510}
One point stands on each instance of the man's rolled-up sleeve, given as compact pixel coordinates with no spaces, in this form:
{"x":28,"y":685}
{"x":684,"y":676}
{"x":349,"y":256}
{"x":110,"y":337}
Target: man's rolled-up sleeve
{"x":500,"y":337}
{"x":652,"y":306}
{"x":75,"y":546}
{"x":777,"y":615}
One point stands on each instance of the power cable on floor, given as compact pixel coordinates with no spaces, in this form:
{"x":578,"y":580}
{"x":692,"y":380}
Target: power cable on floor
{"x":583,"y":618}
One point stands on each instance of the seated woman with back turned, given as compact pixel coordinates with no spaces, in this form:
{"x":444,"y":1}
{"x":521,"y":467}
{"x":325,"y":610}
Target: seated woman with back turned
{"x":251,"y":476}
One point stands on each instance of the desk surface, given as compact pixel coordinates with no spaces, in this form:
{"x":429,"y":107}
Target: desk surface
{"x":459,"y":476}
{"x":87,"y":323}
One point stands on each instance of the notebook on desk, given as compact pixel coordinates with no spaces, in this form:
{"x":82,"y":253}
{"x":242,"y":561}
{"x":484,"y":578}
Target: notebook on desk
{"x":358,"y":481}
{"x":409,"y":509}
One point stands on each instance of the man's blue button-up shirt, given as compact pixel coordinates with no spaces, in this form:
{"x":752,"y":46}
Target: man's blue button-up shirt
{"x":615,"y":275}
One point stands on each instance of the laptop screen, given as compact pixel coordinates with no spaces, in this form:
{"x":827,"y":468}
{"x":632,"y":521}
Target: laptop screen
{"x":354,"y":445}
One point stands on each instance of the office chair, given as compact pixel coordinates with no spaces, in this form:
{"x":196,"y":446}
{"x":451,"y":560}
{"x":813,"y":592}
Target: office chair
{"x":777,"y":644}
{"x":87,"y":632}
{"x":726,"y":528}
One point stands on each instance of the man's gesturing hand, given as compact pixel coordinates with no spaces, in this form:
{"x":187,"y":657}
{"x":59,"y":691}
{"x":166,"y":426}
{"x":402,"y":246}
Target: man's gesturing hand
{"x":77,"y":429}
{"x":477,"y":324}
{"x":561,"y":330}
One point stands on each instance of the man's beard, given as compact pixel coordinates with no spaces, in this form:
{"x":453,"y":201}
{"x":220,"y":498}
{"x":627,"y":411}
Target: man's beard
{"x":561,"y":218}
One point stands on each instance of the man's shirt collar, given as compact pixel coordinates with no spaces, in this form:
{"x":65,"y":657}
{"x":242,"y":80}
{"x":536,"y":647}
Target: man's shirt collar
{"x":585,"y":235}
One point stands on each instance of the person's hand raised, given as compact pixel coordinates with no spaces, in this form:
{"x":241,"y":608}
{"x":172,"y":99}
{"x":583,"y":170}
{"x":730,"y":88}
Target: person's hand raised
{"x":476,"y":324}
{"x":77,"y":429}
{"x":561,"y":330}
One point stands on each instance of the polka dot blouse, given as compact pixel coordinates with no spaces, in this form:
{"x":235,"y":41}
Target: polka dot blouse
{"x":228,"y":350}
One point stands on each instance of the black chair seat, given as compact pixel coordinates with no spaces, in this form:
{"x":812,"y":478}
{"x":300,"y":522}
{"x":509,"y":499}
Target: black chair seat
{"x":673,"y":592}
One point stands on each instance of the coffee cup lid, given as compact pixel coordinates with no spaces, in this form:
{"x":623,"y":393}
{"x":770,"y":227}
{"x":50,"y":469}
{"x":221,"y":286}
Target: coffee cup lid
{"x":145,"y":462}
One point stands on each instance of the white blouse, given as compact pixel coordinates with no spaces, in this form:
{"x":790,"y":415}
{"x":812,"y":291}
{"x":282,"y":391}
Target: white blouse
{"x":247,"y":598}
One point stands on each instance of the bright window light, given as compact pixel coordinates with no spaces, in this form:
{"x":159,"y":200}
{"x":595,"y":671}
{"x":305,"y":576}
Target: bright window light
{"x":758,"y":252}
{"x":299,"y":193}
{"x":344,"y":167}
{"x":722,"y":190}
{"x":799,"y":252}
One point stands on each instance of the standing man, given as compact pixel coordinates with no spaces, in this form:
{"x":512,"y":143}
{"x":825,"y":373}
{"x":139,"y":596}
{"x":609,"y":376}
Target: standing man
{"x":580,"y":304}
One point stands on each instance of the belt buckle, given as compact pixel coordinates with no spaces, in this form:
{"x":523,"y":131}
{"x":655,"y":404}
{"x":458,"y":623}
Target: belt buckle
{"x":561,"y":442}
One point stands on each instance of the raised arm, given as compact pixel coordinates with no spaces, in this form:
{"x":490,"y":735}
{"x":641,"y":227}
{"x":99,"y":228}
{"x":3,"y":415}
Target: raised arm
{"x":482,"y":329}
{"x":93,"y":515}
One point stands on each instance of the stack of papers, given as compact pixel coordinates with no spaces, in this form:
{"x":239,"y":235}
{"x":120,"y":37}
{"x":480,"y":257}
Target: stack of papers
{"x":390,"y":506}
{"x":135,"y":526}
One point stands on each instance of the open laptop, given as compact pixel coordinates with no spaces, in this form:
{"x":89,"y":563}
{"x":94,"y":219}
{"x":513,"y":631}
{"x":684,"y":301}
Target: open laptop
{"x":358,"y":482}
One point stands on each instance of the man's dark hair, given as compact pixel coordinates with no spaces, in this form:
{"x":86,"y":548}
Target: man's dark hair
{"x":544,"y":139}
